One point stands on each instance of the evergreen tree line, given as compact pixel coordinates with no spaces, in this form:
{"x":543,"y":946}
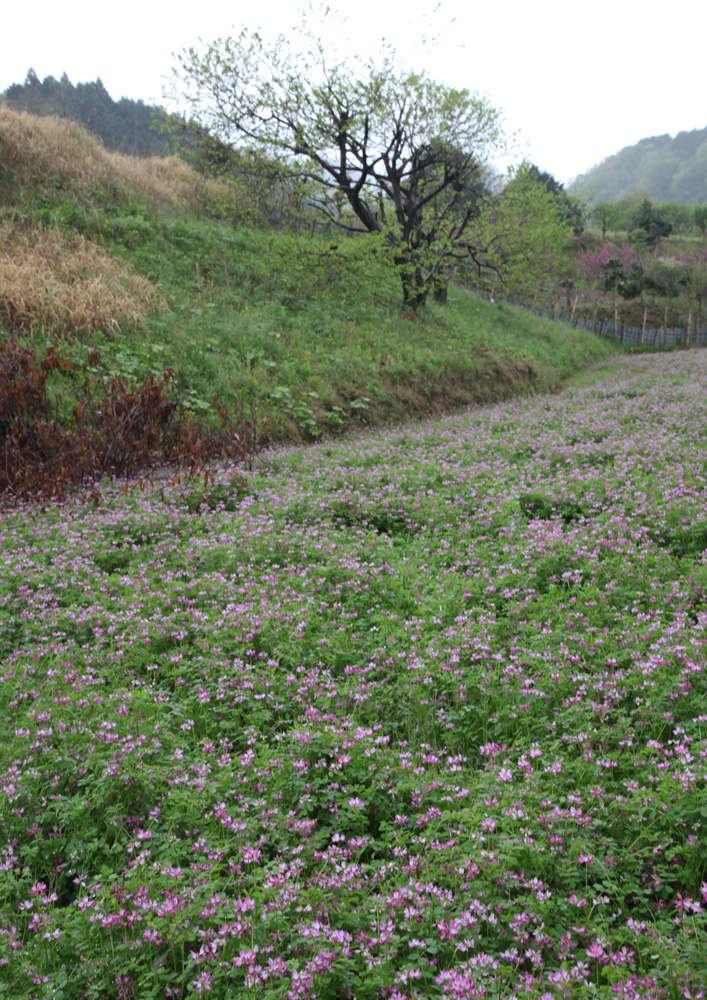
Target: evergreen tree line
{"x":124,"y":126}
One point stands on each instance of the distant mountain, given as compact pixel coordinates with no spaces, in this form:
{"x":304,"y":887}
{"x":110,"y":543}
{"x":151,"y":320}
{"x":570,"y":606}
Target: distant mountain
{"x":125,"y":126}
{"x":660,"y":167}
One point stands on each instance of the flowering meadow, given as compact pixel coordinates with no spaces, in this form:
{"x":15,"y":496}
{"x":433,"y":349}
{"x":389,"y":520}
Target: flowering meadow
{"x":419,"y":713}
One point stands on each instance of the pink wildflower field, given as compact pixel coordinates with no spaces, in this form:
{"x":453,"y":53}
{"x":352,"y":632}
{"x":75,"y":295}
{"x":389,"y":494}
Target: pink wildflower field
{"x":418,"y":713}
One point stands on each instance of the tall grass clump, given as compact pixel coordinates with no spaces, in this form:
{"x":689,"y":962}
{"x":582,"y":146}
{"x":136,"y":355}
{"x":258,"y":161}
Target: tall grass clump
{"x":68,"y":285}
{"x":55,"y":157}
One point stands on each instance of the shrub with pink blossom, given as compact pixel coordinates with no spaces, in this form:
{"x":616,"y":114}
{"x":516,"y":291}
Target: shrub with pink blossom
{"x":593,"y":263}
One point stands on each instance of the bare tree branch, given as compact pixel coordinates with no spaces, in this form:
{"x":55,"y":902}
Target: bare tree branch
{"x":385,"y":137}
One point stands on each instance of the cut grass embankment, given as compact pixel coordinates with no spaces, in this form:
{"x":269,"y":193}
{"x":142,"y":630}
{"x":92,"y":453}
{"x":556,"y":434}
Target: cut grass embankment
{"x":323,"y":345}
{"x":151,"y":264}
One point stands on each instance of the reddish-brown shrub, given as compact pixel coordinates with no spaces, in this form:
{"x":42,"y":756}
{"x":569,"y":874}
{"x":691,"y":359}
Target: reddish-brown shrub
{"x":118,"y":430}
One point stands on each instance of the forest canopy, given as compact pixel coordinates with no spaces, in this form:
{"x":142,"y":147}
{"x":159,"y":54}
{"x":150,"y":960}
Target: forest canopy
{"x":660,"y":167}
{"x":124,"y":126}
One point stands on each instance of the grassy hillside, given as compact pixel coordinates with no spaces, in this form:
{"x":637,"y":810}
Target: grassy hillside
{"x":143,"y":264}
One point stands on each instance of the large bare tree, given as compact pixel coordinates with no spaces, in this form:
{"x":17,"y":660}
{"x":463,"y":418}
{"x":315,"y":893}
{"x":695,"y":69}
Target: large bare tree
{"x":401,"y":150}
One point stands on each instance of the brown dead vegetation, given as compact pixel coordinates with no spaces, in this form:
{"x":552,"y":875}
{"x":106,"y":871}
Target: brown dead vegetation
{"x":55,"y":153}
{"x":68,"y":284}
{"x":115,"y":429}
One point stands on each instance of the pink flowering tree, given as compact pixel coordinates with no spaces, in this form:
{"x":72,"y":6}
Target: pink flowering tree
{"x":593,"y":263}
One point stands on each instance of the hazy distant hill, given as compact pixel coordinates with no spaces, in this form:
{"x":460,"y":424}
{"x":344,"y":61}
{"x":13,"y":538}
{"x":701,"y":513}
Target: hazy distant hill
{"x":124,"y":126}
{"x":666,"y":169}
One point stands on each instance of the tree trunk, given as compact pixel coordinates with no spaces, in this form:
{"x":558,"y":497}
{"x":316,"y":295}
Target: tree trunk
{"x":440,"y":284}
{"x":414,"y":291}
{"x":415,"y":288}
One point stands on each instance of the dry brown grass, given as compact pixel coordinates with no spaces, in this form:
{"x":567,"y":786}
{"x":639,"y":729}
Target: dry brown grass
{"x":48,"y":280}
{"x":54,"y":152}
{"x":167,"y":180}
{"x":33,"y":150}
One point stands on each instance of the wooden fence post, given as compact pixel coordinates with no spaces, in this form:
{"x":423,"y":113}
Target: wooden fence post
{"x":594,"y":317}
{"x":643,"y":328}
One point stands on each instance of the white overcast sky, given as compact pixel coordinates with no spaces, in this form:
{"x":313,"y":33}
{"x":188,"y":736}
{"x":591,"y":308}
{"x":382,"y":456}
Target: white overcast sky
{"x":577,"y":82}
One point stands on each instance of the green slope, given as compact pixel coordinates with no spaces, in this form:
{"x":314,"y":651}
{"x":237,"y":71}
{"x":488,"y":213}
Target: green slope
{"x":307,"y":330}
